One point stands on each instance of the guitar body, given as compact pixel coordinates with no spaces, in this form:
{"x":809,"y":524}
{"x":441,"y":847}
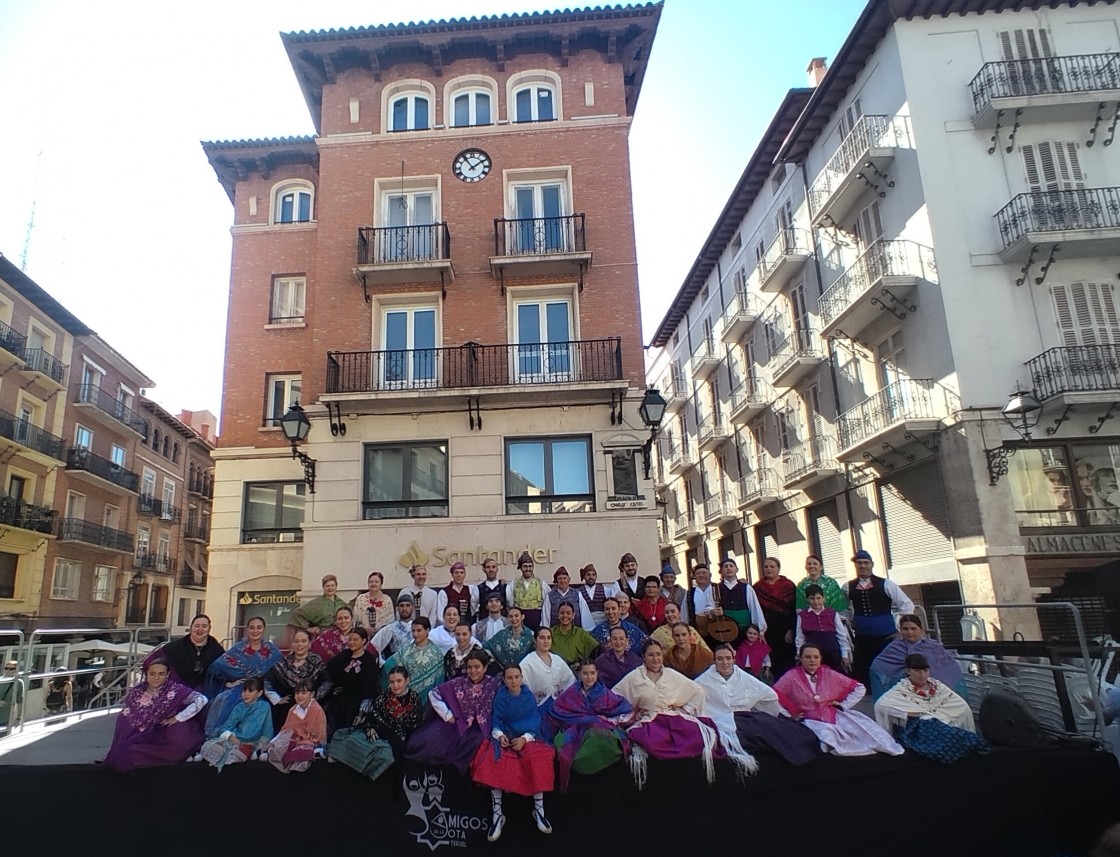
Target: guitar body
{"x":722,"y":629}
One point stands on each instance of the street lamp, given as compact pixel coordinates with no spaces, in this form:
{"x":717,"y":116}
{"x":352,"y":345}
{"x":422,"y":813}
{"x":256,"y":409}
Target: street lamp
{"x":295,"y":426}
{"x":1022,"y":412}
{"x":651,"y":410}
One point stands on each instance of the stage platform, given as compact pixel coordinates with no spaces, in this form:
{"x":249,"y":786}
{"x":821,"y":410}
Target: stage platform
{"x":1049,"y":803}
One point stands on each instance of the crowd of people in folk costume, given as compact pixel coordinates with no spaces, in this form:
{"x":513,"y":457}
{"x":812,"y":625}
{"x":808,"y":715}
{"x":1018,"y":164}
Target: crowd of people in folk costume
{"x":517,"y":684}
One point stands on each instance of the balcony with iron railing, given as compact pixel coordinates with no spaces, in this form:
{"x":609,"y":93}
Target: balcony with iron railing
{"x":1077,"y":373}
{"x":26,"y":516}
{"x":12,"y":345}
{"x":908,"y":406}
{"x":81,"y":462}
{"x":795,"y":357}
{"x":712,"y":431}
{"x":680,"y":457}
{"x":33,"y":441}
{"x":705,"y":360}
{"x":810,"y":461}
{"x":674,"y":389}
{"x":757,"y":488}
{"x":1045,"y":89}
{"x":146,"y":504}
{"x":664,"y":534}
{"x":392,"y":255}
{"x":787,"y":253}
{"x":190,"y":578}
{"x":540,"y":246}
{"x":147,"y":561}
{"x":686,"y":526}
{"x":719,"y":508}
{"x":474,"y":367}
{"x":880,"y":280}
{"x":95,"y":535}
{"x":739,"y":316}
{"x":44,"y":368}
{"x":860,"y":164}
{"x":95,"y":401}
{"x":749,"y":399}
{"x":1086,"y":223}
{"x":199,"y":487}
{"x":197,"y":531}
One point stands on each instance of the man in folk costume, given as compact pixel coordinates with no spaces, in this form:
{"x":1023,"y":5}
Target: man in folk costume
{"x":737,"y":600}
{"x":425,"y":599}
{"x":527,"y":592}
{"x":491,"y":585}
{"x":460,"y":594}
{"x":563,"y":593}
{"x":700,"y":603}
{"x":673,"y":591}
{"x":628,"y":580}
{"x":396,"y":635}
{"x":492,"y":620}
{"x":594,"y":593}
{"x":875,"y":602}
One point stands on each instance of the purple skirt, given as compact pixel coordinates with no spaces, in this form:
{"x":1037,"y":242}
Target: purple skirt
{"x":670,"y":737}
{"x":438,"y":743}
{"x":156,"y":745}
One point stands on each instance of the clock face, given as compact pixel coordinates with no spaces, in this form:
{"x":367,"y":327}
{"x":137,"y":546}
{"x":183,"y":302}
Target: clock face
{"x":471,"y":165}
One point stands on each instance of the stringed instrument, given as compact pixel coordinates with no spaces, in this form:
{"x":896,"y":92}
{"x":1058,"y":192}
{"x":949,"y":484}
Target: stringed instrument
{"x":722,"y":629}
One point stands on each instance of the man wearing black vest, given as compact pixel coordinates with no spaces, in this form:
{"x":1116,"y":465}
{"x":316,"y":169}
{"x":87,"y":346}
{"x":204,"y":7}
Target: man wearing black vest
{"x":628,"y":579}
{"x":490,"y":586}
{"x":875,"y":601}
{"x":459,"y":594}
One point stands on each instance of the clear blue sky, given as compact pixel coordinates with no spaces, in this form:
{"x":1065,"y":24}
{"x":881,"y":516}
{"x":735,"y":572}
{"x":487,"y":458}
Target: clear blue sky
{"x":104,"y":105}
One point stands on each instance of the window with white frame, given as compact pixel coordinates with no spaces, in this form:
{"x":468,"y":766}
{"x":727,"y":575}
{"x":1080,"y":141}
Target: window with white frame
{"x":143,"y":540}
{"x":293,"y":202}
{"x":409,"y":357}
{"x":111,"y":518}
{"x":282,"y":391}
{"x":408,"y":211}
{"x":103,"y":582}
{"x":117,"y":455}
{"x":83,"y":437}
{"x":410,"y":112}
{"x":471,"y":107}
{"x":168,"y":511}
{"x":66,"y":580}
{"x":539,"y":207}
{"x":288,"y":300}
{"x":163,"y":553}
{"x":75,"y":505}
{"x":545,"y":341}
{"x":535,"y":102}
{"x":91,"y":382}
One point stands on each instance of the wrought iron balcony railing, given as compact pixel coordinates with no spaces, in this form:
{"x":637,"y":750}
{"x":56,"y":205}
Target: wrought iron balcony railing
{"x":803,"y":343}
{"x":474,"y":365}
{"x":155,"y":562}
{"x":881,"y":260}
{"x":685,"y":525}
{"x":197,"y":530}
{"x":680,"y":456}
{"x":741,"y":312}
{"x":11,"y":341}
{"x":77,"y":530}
{"x":388,"y":245}
{"x":188,"y":577}
{"x":713,"y":428}
{"x":38,"y":360}
{"x":539,"y":236}
{"x":32,"y":437}
{"x":905,"y":399}
{"x":146,"y":504}
{"x":718,"y":506}
{"x":751,"y":392}
{"x":1075,"y":369}
{"x":788,"y":242}
{"x":78,"y":458}
{"x":758,"y":485}
{"x":673,"y":386}
{"x":870,"y":132}
{"x":91,"y":394}
{"x":814,"y":454}
{"x":25,"y":516}
{"x":1014,"y":78}
{"x":1059,"y":211}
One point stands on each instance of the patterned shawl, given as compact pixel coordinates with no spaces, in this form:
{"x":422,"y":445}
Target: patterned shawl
{"x":799,"y":695}
{"x":576,"y":711}
{"x":749,"y":656}
{"x":141,"y":710}
{"x":470,"y":703}
{"x":395,"y":717}
{"x":309,"y":729}
{"x":286,"y":675}
{"x":241,"y":662}
{"x":425,"y":667}
{"x":509,"y":649}
{"x":331,"y":642}
{"x":891,"y":662}
{"x":602,"y":633}
{"x":834,"y":596}
{"x":697,"y":661}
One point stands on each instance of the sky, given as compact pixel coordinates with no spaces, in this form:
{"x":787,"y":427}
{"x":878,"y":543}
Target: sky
{"x":104,"y":105}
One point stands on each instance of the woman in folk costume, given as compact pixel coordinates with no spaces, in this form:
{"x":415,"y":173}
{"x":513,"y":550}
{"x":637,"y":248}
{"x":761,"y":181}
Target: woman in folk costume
{"x":512,"y":644}
{"x":251,"y":657}
{"x":748,"y":715}
{"x":460,"y":718}
{"x":247,"y":729}
{"x":515,"y":758}
{"x":354,"y":678}
{"x":304,"y":731}
{"x":157,"y":724}
{"x":684,"y":657}
{"x":569,"y":640}
{"x":648,"y":612}
{"x":590,"y":723}
{"x":299,"y":665}
{"x":834,"y":596}
{"x":753,"y":654}
{"x":422,"y":658}
{"x":334,"y":639}
{"x":669,"y":708}
{"x":373,"y":610}
{"x":890,"y":664}
{"x":544,"y":674}
{"x":821,"y":626}
{"x":822,"y":699}
{"x":927,"y":716}
{"x":377,"y":740}
{"x":527,"y":592}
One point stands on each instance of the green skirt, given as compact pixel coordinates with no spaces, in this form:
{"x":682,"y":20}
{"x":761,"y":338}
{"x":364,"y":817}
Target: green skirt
{"x":352,"y":748}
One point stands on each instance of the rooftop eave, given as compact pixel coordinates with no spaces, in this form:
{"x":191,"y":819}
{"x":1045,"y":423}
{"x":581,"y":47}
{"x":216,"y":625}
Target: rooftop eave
{"x":236,"y":160}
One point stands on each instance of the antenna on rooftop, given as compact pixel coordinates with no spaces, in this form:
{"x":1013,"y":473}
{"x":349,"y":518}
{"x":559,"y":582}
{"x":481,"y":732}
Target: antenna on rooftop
{"x":31,"y":217}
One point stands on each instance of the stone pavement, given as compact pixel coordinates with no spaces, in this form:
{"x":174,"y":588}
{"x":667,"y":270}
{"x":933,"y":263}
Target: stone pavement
{"x":74,"y":741}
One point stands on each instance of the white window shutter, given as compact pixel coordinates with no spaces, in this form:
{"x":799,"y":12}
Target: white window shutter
{"x":869,"y":225}
{"x":1030,"y":166}
{"x":1025,"y":44}
{"x":1086,"y":313}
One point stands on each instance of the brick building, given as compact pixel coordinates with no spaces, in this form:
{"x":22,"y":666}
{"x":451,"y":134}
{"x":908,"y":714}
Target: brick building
{"x":445,"y":278}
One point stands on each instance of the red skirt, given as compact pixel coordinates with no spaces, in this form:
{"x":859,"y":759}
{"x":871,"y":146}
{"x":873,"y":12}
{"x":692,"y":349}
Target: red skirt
{"x":526,"y":772}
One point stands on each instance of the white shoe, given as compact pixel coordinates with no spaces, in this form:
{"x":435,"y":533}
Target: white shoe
{"x":496,"y":825}
{"x":542,"y":823}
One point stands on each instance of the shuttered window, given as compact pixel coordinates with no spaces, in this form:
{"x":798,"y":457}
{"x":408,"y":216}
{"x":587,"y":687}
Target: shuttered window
{"x":869,"y":226}
{"x":915,"y":516}
{"x":828,"y":542}
{"x":1086,"y":313}
{"x":766,"y":540}
{"x":851,"y":115}
{"x":1052,"y":166}
{"x":1025,"y":44}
